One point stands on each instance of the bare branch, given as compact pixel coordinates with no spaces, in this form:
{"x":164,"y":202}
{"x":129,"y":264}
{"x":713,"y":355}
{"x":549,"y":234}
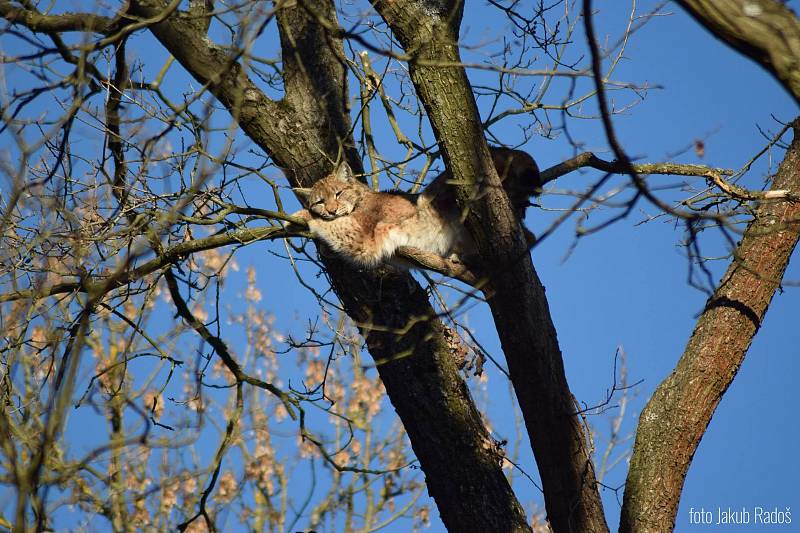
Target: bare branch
{"x":677,"y":415}
{"x":222,"y":349}
{"x":448,"y":267}
{"x":167,"y":257}
{"x":64,"y":22}
{"x":590,"y":160}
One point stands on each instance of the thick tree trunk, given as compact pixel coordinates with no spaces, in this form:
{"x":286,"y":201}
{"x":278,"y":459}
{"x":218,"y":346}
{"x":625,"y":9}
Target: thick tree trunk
{"x":303,"y":133}
{"x":517,"y":300}
{"x":419,"y":371}
{"x":766,"y":31}
{"x":676,"y":417}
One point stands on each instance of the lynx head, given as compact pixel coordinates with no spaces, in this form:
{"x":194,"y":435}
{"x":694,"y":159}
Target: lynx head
{"x":335,"y":195}
{"x":520,"y":176}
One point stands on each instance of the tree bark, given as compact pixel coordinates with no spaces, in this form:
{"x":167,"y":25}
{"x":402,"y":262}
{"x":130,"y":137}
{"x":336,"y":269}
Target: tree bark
{"x":428,"y":31}
{"x":676,"y":417}
{"x":766,"y":31}
{"x":303,"y":133}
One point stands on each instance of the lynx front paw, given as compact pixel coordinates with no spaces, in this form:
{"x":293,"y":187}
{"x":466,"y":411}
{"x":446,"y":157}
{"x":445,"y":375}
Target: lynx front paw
{"x":303,"y":214}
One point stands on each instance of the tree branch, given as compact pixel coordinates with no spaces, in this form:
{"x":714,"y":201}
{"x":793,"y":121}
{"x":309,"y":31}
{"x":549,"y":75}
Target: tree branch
{"x":714,"y":175}
{"x":518,"y":303}
{"x":124,"y":276}
{"x":64,"y":22}
{"x":429,"y":261}
{"x":222,"y":349}
{"x":676,"y":417}
{"x":766,"y":31}
{"x":590,"y":160}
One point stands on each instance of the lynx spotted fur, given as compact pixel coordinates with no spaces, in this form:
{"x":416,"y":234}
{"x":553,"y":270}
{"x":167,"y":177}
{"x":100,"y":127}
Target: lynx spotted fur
{"x":367,"y":227}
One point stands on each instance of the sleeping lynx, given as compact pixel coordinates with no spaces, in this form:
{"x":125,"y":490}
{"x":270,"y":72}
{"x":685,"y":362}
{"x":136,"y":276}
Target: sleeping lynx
{"x":367,"y":227}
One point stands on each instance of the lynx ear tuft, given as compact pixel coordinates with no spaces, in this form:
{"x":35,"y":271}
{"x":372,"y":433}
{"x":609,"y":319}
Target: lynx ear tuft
{"x":344,"y":172}
{"x":302,"y":192}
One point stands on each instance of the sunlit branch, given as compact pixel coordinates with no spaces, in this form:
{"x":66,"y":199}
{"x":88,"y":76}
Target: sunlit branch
{"x":222,"y":349}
